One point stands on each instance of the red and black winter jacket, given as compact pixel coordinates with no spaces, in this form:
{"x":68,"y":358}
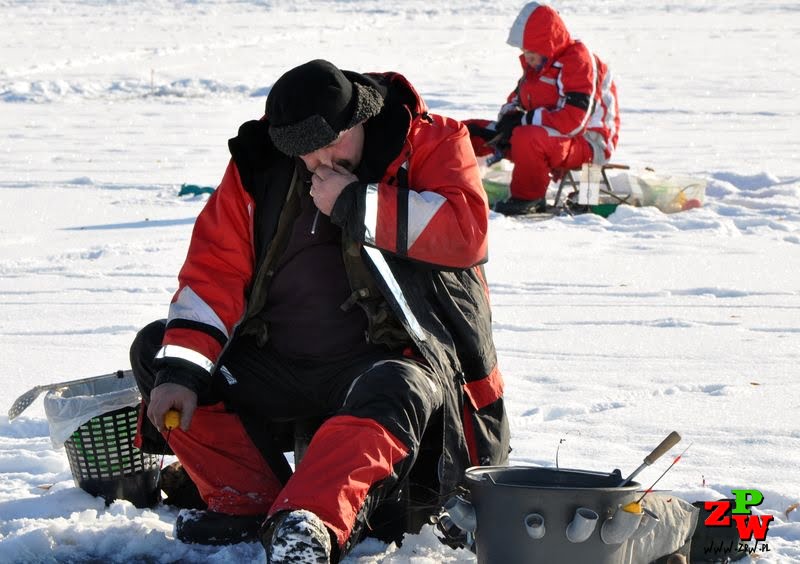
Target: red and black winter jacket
{"x":422,"y":229}
{"x":574,"y":92}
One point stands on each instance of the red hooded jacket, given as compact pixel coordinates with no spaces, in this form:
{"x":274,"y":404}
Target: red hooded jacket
{"x":441,"y":219}
{"x":573,"y":93}
{"x":423,"y":231}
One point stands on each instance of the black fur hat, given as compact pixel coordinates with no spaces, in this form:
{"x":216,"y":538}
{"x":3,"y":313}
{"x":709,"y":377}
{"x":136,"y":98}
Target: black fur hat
{"x":311,"y":104}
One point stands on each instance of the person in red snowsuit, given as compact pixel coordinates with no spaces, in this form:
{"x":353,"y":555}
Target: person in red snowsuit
{"x":562,"y":114}
{"x":335,"y":273}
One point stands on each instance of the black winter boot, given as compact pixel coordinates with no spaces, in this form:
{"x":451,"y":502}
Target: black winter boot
{"x":297,"y":537}
{"x":180,"y":489}
{"x":209,"y":527}
{"x":517,"y":206}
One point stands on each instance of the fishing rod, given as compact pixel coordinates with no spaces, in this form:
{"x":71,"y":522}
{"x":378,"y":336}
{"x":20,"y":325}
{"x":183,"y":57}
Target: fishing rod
{"x":674,"y":462}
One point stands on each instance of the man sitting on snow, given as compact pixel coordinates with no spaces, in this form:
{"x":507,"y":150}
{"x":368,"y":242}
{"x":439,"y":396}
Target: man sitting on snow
{"x":335,"y":273}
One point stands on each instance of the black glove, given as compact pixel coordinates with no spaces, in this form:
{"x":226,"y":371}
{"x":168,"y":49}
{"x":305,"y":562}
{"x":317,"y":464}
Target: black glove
{"x":185,"y":373}
{"x":484,"y":133}
{"x":505,"y":127}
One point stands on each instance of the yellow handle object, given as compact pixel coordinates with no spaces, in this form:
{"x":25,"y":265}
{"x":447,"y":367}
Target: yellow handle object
{"x":633,"y":507}
{"x":172,"y":419}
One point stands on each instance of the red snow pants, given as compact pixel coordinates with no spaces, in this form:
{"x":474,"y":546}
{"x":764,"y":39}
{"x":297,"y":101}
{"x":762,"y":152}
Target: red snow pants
{"x":535,"y":152}
{"x":377,"y":407}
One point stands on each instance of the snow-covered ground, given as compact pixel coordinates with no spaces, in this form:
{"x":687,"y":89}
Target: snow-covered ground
{"x":611,"y":332}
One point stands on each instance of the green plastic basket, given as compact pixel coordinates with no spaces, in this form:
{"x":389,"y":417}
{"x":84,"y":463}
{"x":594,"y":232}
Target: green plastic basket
{"x":105,"y":462}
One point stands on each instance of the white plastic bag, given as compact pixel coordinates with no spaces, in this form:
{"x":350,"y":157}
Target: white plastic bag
{"x":671,"y":193}
{"x":70,"y":407}
{"x":675,"y":524}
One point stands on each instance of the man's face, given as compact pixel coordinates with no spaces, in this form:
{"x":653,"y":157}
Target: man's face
{"x":534,"y":60}
{"x":346,"y":151}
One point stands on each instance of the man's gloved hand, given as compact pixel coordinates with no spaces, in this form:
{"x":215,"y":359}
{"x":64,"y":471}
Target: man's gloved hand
{"x":509,"y":107}
{"x":484,"y":133}
{"x":505,"y":127}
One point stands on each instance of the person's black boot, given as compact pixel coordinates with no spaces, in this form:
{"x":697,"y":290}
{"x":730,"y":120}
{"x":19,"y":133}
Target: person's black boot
{"x":297,"y":537}
{"x":517,"y":206}
{"x":181,"y":491}
{"x":209,"y":527}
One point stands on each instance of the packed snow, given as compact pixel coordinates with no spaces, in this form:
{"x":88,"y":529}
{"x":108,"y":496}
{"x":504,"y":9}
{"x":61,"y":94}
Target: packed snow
{"x":611,"y":332}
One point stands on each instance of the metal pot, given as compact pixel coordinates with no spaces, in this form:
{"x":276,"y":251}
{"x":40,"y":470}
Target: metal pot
{"x":531,"y":515}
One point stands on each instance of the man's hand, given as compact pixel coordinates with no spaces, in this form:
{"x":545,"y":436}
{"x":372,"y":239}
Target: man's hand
{"x":484,"y":133}
{"x":171,"y":396}
{"x":506,"y":125}
{"x":326,"y":185}
{"x":509,"y":107}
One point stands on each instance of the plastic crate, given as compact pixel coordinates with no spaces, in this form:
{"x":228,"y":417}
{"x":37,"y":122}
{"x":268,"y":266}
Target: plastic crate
{"x":96,"y":420}
{"x":104,"y":461}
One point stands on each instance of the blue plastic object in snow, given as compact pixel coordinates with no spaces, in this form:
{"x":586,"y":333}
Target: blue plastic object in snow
{"x":194,"y":190}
